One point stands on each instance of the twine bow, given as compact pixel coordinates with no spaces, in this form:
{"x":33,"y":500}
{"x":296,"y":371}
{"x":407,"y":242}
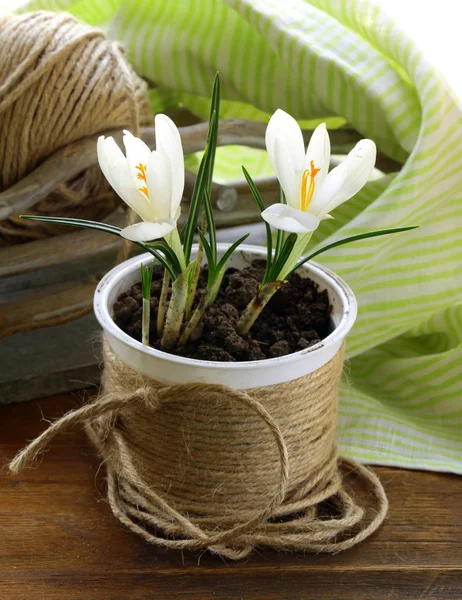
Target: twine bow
{"x":291,"y":518}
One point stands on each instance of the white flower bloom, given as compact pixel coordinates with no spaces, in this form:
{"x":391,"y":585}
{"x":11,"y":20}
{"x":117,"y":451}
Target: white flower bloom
{"x":311,"y":192}
{"x":151,"y":183}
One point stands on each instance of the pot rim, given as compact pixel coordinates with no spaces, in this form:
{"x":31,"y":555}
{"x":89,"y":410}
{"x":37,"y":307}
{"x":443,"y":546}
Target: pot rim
{"x":332,"y":281}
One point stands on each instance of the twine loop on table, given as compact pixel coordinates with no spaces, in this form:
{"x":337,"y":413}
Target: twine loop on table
{"x":204,"y":466}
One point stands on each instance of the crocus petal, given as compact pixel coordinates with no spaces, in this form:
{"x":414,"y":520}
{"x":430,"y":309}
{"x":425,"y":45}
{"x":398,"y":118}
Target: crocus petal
{"x":168,"y":138}
{"x":116,"y":170}
{"x":137,"y":152}
{"x":159,"y":175}
{"x":347,"y":179}
{"x":148,"y":231}
{"x":318,"y":151}
{"x":331,"y":187}
{"x":285,"y":128}
{"x":101,"y":152}
{"x":285,"y":172}
{"x":290,"y":219}
{"x":360,"y":162}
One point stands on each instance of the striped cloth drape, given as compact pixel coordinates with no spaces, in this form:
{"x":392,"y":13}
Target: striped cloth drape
{"x":401,"y":402}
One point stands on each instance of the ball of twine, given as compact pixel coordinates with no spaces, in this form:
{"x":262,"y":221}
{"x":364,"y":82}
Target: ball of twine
{"x":204,"y":466}
{"x":61,"y":81}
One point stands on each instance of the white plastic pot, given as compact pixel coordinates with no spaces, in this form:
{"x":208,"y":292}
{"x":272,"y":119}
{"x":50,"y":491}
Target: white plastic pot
{"x":170,"y":369}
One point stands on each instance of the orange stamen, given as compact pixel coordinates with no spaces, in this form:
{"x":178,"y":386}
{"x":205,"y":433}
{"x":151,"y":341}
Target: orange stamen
{"x":307,"y":189}
{"x":142,"y":172}
{"x":142,"y":176}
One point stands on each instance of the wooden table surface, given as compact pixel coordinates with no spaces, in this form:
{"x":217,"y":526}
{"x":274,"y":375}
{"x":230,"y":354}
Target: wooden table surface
{"x":59,"y":540}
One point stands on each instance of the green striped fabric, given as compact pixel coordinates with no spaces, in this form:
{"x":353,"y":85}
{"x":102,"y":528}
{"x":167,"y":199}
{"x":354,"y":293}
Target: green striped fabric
{"x":401,"y":401}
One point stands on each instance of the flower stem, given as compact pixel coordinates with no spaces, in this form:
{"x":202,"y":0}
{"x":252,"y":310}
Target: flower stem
{"x":293,"y":258}
{"x":146,"y":280}
{"x":256,"y":305}
{"x":197,"y":270}
{"x":162,"y":303}
{"x":207,"y":300}
{"x":145,"y":322}
{"x":194,"y":320}
{"x":195,"y":279}
{"x":176,"y":309}
{"x":174,"y":241}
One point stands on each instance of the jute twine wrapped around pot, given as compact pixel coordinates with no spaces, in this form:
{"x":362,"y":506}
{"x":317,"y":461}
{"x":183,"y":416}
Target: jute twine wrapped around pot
{"x":61,"y":81}
{"x":204,"y":466}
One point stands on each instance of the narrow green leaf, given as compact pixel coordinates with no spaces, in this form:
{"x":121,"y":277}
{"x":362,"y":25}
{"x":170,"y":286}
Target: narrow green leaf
{"x":210,"y":224}
{"x":211,"y":264}
{"x":215,"y":100}
{"x":269,"y":238}
{"x":214,"y":108}
{"x":170,"y":255}
{"x":198,"y":191}
{"x":280,"y":233}
{"x":146,"y":279}
{"x":254,"y":189}
{"x":75,"y":223}
{"x":203,"y":183}
{"x":174,"y":269}
{"x":283,"y":256}
{"x":353,"y":238}
{"x":224,"y":259}
{"x":161,"y":258}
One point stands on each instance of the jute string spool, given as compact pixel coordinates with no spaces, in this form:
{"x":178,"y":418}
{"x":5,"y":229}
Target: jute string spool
{"x":61,"y":81}
{"x":204,"y":466}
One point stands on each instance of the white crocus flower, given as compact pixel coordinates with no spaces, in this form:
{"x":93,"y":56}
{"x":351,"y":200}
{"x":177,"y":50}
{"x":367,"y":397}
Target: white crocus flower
{"x":311,"y":192}
{"x":150,"y":182}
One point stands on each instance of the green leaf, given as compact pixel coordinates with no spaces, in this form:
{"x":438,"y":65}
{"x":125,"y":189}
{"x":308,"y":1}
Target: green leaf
{"x":353,"y":238}
{"x":214,"y":108}
{"x":283,"y":256}
{"x":269,"y":238}
{"x":203,"y":182}
{"x":254,"y":190}
{"x":231,"y":249}
{"x":162,"y":260}
{"x":210,"y":225}
{"x":211,"y":264}
{"x":167,"y":250}
{"x":215,"y":101}
{"x":280,"y":233}
{"x":75,"y":223}
{"x":173,"y":269}
{"x":198,"y":191}
{"x":146,"y":279}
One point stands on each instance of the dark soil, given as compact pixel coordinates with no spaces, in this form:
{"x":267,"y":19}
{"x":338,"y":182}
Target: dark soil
{"x":296,"y":317}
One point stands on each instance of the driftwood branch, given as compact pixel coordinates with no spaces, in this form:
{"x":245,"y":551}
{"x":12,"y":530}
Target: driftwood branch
{"x":73,"y":159}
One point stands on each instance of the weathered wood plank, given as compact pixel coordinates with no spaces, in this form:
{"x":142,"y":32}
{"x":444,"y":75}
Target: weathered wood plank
{"x":49,"y":361}
{"x":59,"y":304}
